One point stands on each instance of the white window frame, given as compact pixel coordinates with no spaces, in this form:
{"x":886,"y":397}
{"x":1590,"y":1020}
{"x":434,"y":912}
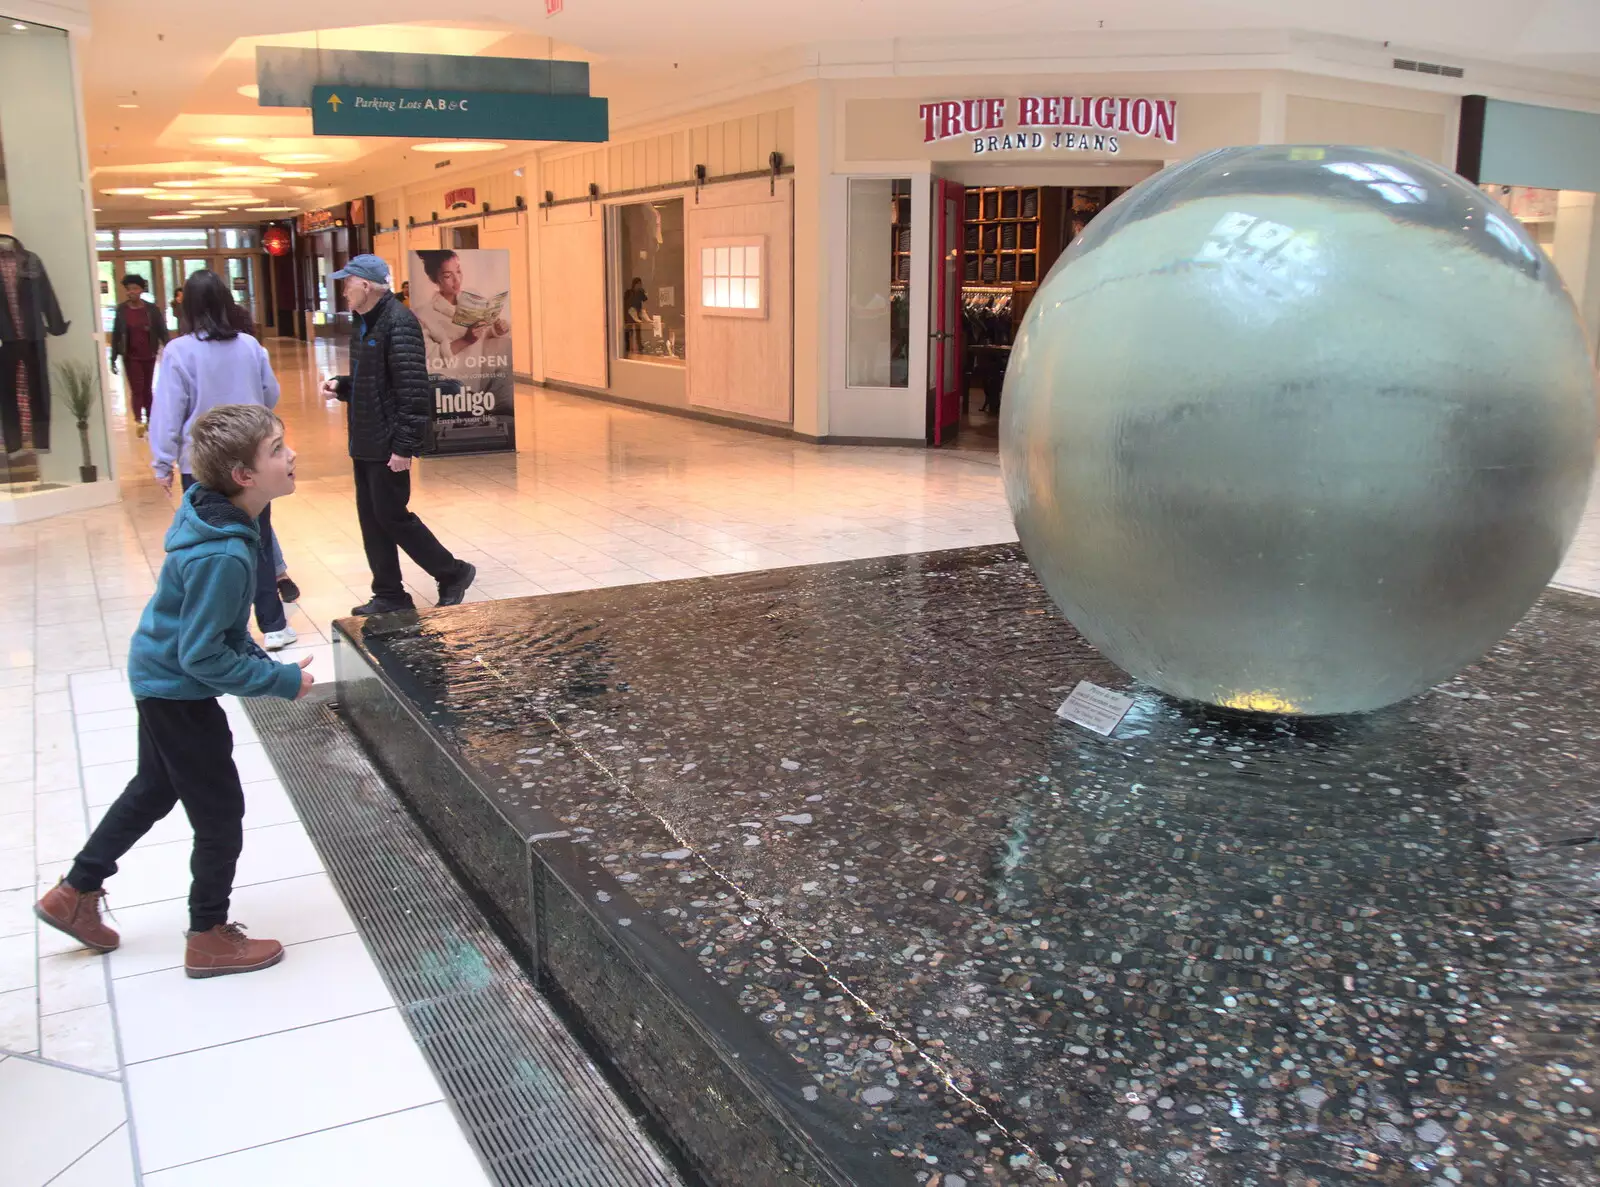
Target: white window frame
{"x":759,"y":242}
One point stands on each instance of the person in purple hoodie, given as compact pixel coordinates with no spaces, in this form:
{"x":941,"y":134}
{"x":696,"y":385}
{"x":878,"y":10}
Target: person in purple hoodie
{"x":211,"y":365}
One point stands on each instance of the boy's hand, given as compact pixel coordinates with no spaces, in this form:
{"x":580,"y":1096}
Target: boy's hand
{"x":306,"y":678}
{"x":330,"y":388}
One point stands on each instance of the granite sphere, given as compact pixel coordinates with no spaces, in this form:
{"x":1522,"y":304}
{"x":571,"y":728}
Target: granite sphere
{"x":1299,"y":429}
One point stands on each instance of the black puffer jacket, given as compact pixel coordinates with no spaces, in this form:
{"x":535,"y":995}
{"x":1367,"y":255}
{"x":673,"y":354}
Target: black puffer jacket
{"x":387,"y":389}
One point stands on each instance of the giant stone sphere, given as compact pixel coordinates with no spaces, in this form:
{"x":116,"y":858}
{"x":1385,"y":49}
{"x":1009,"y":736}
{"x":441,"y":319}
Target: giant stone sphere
{"x":1298,"y":430}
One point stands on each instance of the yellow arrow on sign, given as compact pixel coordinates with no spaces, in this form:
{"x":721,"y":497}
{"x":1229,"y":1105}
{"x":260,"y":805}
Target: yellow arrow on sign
{"x":334,"y":101}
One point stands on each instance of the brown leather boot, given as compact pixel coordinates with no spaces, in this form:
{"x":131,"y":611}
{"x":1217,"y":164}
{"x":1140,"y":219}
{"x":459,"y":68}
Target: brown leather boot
{"x":226,"y":949}
{"x":78,"y":914}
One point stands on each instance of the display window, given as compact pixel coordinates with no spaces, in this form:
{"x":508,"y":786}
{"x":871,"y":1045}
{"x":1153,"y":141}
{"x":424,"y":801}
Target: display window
{"x":878,"y":328}
{"x":51,"y":378}
{"x":649,"y":311}
{"x":1562,"y":222}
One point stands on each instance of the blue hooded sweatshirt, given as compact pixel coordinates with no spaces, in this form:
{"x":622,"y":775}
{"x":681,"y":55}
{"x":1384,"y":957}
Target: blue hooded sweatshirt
{"x":193,"y":641}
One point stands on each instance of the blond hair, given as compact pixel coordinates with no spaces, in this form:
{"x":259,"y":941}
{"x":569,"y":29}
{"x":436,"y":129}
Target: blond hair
{"x":226,"y":436}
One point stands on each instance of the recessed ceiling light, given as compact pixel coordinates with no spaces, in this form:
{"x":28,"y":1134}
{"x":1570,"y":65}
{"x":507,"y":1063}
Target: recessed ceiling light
{"x":266,"y":170}
{"x":285,"y":176}
{"x":186,"y":185}
{"x":172,"y":218}
{"x":459,"y":146}
{"x":127,"y":106}
{"x":19,"y":26}
{"x":131,"y":191}
{"x":295,"y":158}
{"x":269,"y":209}
{"x":250,"y":91}
{"x":197,"y":213}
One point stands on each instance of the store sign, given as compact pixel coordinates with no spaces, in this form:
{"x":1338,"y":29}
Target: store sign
{"x":1061,"y":123}
{"x":312,"y":221}
{"x":458,"y":115}
{"x":358,"y":212}
{"x":463,"y":199}
{"x":462,"y":300}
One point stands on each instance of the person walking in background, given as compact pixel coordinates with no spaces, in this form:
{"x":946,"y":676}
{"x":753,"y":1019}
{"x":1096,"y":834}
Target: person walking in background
{"x":210,"y":366}
{"x":137,"y":335}
{"x":389,"y":403}
{"x":190,"y":648}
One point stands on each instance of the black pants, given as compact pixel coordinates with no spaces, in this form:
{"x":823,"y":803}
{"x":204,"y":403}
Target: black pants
{"x":269,"y":606}
{"x":29,"y":356}
{"x":388,"y":525}
{"x":185,"y":756}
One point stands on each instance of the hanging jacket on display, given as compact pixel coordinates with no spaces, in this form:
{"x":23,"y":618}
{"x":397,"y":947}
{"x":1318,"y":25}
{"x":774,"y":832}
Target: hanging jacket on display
{"x":29,"y":313}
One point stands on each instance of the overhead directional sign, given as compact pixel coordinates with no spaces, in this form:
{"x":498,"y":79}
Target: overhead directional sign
{"x":457,"y":115}
{"x":285,"y":75}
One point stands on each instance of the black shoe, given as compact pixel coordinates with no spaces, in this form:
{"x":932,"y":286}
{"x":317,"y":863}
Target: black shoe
{"x":453,"y":590}
{"x":381,"y":606}
{"x":288,"y":591}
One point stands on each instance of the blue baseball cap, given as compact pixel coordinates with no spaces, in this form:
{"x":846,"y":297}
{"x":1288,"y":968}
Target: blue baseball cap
{"x":365,"y":268}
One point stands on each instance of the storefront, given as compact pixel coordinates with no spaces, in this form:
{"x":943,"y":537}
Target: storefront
{"x":52,"y":381}
{"x":954,"y":203}
{"x":1543,"y":165}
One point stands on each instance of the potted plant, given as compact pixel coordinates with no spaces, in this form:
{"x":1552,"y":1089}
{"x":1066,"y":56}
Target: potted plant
{"x":80,"y":383}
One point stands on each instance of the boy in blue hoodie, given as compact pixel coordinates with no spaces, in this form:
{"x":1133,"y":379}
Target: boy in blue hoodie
{"x":193,"y":645}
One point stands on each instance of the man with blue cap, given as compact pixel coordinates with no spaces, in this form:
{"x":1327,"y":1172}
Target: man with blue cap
{"x":390,"y":399}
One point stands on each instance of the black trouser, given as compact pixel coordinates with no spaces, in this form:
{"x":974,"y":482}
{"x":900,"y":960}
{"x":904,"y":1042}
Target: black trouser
{"x":185,"y":756}
{"x":387,"y":525}
{"x":269,"y":606}
{"x":28,"y":356}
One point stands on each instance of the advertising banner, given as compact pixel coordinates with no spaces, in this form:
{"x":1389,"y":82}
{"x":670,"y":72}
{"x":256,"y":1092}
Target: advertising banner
{"x":462,"y":299}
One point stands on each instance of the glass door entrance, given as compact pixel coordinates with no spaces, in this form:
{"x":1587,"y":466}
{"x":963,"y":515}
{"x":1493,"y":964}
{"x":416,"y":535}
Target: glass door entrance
{"x":111,"y":295}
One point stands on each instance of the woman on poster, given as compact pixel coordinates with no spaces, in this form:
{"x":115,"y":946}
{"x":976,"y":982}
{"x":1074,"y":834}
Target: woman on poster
{"x":456,"y":324}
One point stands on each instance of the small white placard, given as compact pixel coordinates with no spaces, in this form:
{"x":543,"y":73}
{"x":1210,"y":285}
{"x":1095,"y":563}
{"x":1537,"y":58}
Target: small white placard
{"x":1095,"y":708}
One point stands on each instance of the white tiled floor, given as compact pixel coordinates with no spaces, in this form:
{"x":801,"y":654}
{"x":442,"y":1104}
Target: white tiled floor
{"x":120,"y":1070}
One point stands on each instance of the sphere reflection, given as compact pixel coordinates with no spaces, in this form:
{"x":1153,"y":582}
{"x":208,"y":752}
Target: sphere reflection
{"x":1298,"y":430}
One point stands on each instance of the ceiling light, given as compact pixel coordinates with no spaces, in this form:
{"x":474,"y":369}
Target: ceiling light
{"x":269,"y":209}
{"x":172,"y":218}
{"x":197,"y":213}
{"x":295,"y":158}
{"x":266,"y":170}
{"x":250,"y":91}
{"x":459,"y":146}
{"x":127,"y":106}
{"x":227,"y":140}
{"x":19,"y":26}
{"x":285,"y":176}
{"x":131,"y":191}
{"x":186,"y":185}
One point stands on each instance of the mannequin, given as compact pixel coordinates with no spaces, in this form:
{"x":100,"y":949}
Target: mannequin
{"x":28,"y":313}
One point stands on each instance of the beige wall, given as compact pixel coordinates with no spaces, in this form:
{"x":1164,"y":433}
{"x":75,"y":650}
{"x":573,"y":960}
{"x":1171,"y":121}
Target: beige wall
{"x":739,"y":143}
{"x":743,"y":365}
{"x":1330,"y":121}
{"x":499,"y":187}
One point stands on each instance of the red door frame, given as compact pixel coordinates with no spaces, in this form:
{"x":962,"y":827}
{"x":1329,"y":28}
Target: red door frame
{"x":945,"y":331}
